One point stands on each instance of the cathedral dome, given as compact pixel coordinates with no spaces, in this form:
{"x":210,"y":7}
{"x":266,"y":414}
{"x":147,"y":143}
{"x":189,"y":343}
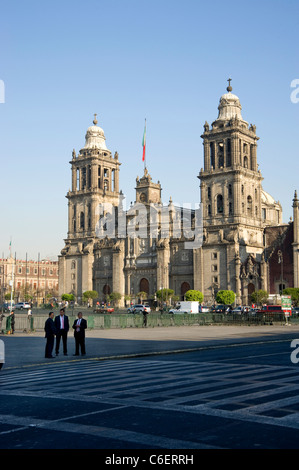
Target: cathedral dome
{"x":267,"y":198}
{"x":95,"y":137}
{"x":229,"y":107}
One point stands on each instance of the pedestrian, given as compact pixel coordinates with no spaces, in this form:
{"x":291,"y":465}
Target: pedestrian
{"x":1,"y":318}
{"x":80,"y":326}
{"x":29,"y":317}
{"x":62,"y":328}
{"x":12,"y":321}
{"x":50,"y":332}
{"x":144,"y":317}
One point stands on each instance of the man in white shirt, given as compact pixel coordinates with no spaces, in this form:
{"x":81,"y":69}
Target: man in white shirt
{"x":62,"y":328}
{"x":79,"y":327}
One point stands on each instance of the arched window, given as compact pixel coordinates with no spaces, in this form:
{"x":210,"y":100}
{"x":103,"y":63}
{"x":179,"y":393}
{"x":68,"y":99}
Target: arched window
{"x":228,"y":153}
{"x":106,"y":289}
{"x":144,"y":285}
{"x":184,"y":288}
{"x":220,"y":155}
{"x":249,"y":205}
{"x":219,"y":204}
{"x":212,"y":155}
{"x":82,"y":224}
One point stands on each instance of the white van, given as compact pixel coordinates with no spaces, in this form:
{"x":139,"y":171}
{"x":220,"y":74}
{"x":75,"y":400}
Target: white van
{"x":2,"y":356}
{"x":186,"y":307}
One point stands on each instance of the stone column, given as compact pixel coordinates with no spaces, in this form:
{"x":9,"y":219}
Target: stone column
{"x":116,"y":180}
{"x":253,"y":149}
{"x":207,"y":157}
{"x":118,"y":277}
{"x":237,"y":278}
{"x":94,"y":175}
{"x":74,"y":178}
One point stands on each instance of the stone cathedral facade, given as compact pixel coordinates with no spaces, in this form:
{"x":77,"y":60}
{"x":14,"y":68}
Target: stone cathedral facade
{"x":242,"y":233}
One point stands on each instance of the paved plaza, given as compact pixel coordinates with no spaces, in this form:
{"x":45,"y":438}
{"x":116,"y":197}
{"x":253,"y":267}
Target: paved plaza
{"x":23,"y":349}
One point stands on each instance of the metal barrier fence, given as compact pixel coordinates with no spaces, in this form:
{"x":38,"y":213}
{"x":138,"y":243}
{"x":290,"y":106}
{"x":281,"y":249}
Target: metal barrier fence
{"x":154,"y":319}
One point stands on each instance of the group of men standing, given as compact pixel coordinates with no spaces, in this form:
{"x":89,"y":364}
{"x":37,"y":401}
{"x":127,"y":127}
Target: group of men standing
{"x":59,"y":327}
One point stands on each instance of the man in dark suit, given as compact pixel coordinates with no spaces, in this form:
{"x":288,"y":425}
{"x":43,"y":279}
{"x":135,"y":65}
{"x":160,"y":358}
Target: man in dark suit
{"x":62,"y":328}
{"x":80,"y":326}
{"x":50,"y":331}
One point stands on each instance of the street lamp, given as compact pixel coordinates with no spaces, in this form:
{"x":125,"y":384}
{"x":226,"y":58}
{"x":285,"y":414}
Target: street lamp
{"x":280,"y":261}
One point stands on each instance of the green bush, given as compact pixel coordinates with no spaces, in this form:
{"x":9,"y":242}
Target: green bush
{"x":226,"y":297}
{"x":194,"y":295}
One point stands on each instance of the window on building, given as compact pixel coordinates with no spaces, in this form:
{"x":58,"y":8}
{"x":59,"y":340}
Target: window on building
{"x":99,"y":176}
{"x":228,"y":153}
{"x":212,"y":155}
{"x":219,"y":204}
{"x":82,"y":220}
{"x":264,"y":214}
{"x":249,"y":206}
{"x":89,"y":177}
{"x":77,"y":179}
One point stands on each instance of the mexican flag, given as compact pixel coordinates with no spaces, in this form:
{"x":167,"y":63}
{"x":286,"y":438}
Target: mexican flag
{"x":144,"y":142}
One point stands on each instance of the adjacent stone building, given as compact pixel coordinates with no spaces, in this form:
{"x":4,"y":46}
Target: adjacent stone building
{"x":229,"y":242}
{"x":36,"y":279}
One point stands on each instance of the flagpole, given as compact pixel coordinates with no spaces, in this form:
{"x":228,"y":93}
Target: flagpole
{"x":145,"y":146}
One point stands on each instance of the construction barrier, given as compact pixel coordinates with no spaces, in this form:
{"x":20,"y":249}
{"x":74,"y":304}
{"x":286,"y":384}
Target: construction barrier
{"x":36,"y":322}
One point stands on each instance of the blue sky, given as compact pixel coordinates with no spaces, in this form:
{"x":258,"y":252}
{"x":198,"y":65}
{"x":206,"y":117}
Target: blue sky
{"x":166,"y":61}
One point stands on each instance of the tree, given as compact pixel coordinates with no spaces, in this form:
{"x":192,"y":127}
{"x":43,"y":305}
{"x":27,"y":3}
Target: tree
{"x":142,"y":295}
{"x":68,"y":297}
{"x":259,"y":297}
{"x":115,"y":297}
{"x":294,"y":293}
{"x":89,"y":295}
{"x":194,"y":295}
{"x":226,"y":297}
{"x":164,"y":294}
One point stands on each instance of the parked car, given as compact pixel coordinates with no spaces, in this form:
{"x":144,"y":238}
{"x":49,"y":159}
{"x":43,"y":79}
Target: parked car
{"x":237,"y":310}
{"x":222,"y":309}
{"x":22,"y":305}
{"x":204,"y":309}
{"x":104,"y":310}
{"x":139,"y":308}
{"x":252,"y":311}
{"x":295,"y":312}
{"x":5,"y":307}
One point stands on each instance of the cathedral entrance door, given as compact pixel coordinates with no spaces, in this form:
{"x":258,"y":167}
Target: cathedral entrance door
{"x":184,"y":288}
{"x":144,"y":285}
{"x":250,"y":290}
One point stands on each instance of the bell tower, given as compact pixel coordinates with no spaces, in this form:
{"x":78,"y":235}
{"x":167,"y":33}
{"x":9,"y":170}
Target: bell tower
{"x":231,"y":192}
{"x":95,"y":180}
{"x":230,"y":181}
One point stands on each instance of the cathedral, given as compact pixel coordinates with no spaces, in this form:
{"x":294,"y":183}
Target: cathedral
{"x":234,"y":240}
